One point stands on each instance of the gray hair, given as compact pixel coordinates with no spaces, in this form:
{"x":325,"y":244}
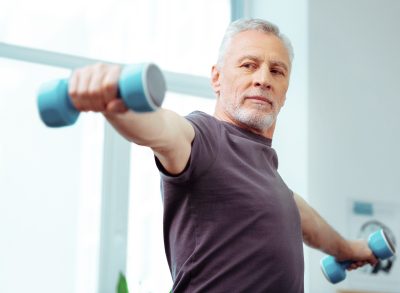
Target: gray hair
{"x":261,"y":25}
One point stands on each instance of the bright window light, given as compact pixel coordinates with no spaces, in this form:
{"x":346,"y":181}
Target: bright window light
{"x":178,"y":35}
{"x":50,"y":187}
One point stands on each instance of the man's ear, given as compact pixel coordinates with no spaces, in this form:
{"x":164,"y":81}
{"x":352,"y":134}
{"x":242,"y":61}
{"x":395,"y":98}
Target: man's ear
{"x":215,"y":79}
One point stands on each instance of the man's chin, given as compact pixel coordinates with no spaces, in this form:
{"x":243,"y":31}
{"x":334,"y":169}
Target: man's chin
{"x":256,"y":119}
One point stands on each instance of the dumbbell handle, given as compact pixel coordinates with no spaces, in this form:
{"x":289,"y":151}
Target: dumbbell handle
{"x":381,"y":246}
{"x":141,"y":86}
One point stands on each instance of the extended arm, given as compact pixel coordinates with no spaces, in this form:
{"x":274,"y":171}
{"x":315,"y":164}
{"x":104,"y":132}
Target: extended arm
{"x":94,"y":88}
{"x":317,"y":233}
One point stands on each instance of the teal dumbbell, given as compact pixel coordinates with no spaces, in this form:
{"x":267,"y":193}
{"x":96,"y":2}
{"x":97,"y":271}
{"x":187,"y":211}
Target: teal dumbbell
{"x":380,"y":244}
{"x":141,"y":86}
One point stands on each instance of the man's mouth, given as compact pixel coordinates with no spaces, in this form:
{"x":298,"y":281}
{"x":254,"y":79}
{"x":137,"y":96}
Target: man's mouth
{"x":262,"y":99}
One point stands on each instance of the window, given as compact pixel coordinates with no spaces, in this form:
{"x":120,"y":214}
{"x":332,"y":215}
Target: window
{"x":54,"y":179}
{"x":50,"y":184}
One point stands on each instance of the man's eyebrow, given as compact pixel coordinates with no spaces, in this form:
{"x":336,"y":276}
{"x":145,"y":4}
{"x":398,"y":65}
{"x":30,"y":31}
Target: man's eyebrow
{"x":250,"y":57}
{"x":280,"y":64}
{"x":272,"y":62}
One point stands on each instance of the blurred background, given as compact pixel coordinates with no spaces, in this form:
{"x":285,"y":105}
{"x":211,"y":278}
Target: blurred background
{"x":79,"y":204}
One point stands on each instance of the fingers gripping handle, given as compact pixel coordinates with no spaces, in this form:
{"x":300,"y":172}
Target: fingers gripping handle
{"x":141,"y":86}
{"x":381,"y":246}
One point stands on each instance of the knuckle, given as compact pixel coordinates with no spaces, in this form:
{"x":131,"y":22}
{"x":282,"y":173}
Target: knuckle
{"x":92,"y":93}
{"x":76,"y":72}
{"x":78,"y":105}
{"x":81,"y":93}
{"x":97,"y":106}
{"x":99,"y":66}
{"x":72,"y":92}
{"x":115,"y":68}
{"x":101,"y":107}
{"x":109,"y":87}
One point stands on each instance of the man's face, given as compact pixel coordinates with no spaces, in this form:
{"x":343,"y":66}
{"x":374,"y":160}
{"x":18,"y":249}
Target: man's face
{"x":251,"y":83}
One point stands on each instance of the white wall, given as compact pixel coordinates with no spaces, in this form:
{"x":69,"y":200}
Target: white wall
{"x":353,"y":109}
{"x":342,"y":108}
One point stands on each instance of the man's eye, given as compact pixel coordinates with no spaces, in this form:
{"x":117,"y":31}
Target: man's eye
{"x":277,"y":72}
{"x":248,"y":65}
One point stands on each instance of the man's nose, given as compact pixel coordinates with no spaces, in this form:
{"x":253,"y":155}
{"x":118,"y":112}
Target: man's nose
{"x":262,"y":78}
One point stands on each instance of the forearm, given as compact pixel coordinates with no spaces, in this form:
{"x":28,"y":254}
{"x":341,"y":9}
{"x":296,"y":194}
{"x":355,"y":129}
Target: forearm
{"x":147,"y":129}
{"x":95,"y":88}
{"x":317,"y":233}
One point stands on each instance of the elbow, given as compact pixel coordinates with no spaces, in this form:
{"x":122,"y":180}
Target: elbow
{"x":310,"y":240}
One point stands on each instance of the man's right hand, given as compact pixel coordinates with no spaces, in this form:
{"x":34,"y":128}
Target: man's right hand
{"x":95,"y":87}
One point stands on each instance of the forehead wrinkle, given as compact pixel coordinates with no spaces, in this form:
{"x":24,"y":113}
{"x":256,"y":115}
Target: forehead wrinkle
{"x":251,"y":43}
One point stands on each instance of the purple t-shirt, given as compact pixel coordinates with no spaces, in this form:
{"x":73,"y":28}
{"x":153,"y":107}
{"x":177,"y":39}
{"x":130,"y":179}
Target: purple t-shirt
{"x":230,"y":222}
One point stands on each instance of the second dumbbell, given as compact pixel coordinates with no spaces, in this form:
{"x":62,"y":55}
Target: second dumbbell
{"x":380,"y":244}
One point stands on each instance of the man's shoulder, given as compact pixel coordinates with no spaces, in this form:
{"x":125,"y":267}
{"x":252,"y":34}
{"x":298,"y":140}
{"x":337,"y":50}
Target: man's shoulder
{"x":199,"y":115}
{"x":203,"y":121}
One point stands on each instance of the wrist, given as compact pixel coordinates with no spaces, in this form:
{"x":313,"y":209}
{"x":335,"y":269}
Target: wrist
{"x":345,"y":250}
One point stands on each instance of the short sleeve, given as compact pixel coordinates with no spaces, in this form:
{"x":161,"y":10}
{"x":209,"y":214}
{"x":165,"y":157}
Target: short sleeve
{"x":205,"y":148}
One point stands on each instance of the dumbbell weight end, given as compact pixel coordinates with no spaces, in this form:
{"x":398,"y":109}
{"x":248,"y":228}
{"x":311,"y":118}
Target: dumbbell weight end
{"x":333,"y":270}
{"x":54,"y":104}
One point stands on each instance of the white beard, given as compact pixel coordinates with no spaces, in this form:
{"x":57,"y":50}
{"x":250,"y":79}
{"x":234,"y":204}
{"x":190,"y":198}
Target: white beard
{"x":251,"y":118}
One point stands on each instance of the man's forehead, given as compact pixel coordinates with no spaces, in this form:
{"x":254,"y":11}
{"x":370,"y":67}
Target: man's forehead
{"x":255,"y":36}
{"x":258,"y":44}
